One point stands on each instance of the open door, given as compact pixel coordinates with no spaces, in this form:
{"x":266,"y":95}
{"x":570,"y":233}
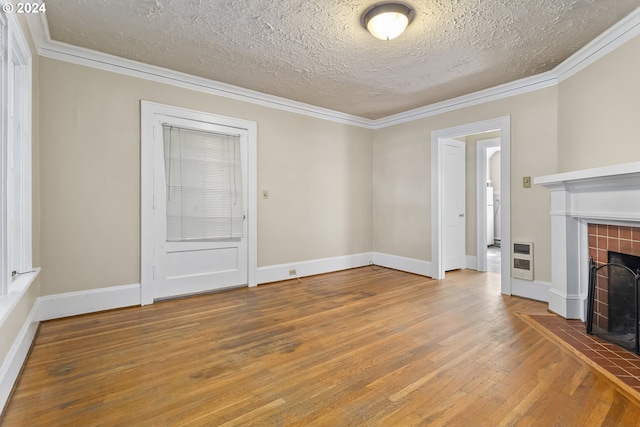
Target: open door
{"x":453,"y":207}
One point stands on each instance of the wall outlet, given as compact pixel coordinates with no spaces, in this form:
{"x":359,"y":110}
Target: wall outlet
{"x":293,"y":272}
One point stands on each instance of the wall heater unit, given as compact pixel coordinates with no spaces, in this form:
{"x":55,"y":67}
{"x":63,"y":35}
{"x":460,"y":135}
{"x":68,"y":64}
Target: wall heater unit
{"x":522,"y":260}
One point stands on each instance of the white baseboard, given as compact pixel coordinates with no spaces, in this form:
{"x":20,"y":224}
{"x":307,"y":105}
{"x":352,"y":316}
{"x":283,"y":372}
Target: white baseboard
{"x":54,"y":307}
{"x":276,"y":273}
{"x":82,"y":302}
{"x":18,"y":352}
{"x":410,"y":265}
{"x":535,"y":290}
{"x":567,"y":305}
{"x":472,"y":262}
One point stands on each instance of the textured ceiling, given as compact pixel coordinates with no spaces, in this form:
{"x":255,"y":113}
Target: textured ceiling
{"x":316,"y":51}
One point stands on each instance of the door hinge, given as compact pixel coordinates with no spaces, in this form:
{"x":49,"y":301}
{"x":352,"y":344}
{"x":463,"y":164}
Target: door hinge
{"x":154,"y":272}
{"x":154,"y":201}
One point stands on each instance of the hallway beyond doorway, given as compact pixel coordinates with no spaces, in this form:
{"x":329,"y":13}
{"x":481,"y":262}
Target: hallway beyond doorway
{"x":493,"y":259}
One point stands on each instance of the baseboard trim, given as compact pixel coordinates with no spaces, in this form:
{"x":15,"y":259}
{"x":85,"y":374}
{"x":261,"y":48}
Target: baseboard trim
{"x":12,"y":364}
{"x":536,"y":290}
{"x":410,"y":265}
{"x":569,"y":306}
{"x":279,"y":272}
{"x":89,"y":301}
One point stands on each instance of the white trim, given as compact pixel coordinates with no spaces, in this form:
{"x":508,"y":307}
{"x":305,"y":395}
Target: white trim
{"x":609,"y":194}
{"x":592,"y":176}
{"x":22,"y":254}
{"x":506,"y":90}
{"x":503,"y":124}
{"x":147,"y":113}
{"x":536,"y":290}
{"x":569,"y":306}
{"x":17,"y":289}
{"x":5,"y":20}
{"x":608,"y":41}
{"x":409,"y":265}
{"x":39,"y":28}
{"x":15,"y":358}
{"x":620,"y":33}
{"x":89,"y":301}
{"x":15,"y":151}
{"x":102,"y":61}
{"x":279,"y":272}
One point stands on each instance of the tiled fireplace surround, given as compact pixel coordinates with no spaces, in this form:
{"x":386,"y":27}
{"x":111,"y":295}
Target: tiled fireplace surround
{"x":602,"y":239}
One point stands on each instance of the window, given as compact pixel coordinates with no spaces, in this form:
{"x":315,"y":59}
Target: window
{"x":204,"y":185}
{"x":15,"y":153}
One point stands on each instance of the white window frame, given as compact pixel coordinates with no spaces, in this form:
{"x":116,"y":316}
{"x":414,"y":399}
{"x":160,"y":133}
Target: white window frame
{"x":15,"y":158}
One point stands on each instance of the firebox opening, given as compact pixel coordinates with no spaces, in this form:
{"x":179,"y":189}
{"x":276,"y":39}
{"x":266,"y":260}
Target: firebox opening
{"x":614,"y":301}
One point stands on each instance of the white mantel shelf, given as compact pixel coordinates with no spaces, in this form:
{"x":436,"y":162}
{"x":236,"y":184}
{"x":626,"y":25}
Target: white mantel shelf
{"x":605,"y":195}
{"x":625,"y":170}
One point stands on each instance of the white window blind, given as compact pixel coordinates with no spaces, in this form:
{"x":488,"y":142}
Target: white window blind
{"x":204,"y":185}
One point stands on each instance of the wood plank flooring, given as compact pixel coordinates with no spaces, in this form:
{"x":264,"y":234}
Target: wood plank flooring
{"x":359,"y":347}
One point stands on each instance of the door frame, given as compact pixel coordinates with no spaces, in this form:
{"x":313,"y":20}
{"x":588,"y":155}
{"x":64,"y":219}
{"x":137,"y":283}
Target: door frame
{"x":481,"y":199}
{"x":147,"y":111}
{"x":502,"y":124}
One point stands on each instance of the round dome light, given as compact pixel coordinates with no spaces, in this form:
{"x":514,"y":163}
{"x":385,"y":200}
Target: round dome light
{"x":387,"y":21}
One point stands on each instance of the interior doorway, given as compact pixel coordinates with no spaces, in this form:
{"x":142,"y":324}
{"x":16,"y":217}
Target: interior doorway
{"x":489,"y":205}
{"x":503,"y":126}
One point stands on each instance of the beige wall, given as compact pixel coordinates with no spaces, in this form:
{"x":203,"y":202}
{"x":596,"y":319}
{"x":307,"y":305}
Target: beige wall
{"x":599,"y":112}
{"x":401,"y":182}
{"x":402,"y":159}
{"x":318,"y":174}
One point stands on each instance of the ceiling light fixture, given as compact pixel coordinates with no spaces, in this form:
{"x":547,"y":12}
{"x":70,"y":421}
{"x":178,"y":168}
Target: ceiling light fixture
{"x":387,"y":21}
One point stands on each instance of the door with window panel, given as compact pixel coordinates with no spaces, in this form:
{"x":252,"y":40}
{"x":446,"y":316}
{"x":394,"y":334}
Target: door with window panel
{"x":200,"y":204}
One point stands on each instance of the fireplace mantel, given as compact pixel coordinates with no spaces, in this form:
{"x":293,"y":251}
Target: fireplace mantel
{"x":606,"y":195}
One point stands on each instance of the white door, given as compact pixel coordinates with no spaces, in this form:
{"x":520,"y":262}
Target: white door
{"x":200,"y":202}
{"x":453,"y":208}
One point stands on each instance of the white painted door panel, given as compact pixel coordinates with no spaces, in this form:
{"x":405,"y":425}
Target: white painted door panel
{"x":194,"y":266}
{"x":453,"y":208}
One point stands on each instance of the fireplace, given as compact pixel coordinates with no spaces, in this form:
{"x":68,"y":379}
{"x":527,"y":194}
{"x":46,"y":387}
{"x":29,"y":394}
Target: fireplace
{"x":592,"y":211}
{"x":614,"y":274}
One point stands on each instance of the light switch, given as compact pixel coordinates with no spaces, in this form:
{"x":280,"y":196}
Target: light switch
{"x":526,"y":182}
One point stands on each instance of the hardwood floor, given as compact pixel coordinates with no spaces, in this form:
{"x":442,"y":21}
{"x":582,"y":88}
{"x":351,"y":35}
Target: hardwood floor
{"x":358,"y":347}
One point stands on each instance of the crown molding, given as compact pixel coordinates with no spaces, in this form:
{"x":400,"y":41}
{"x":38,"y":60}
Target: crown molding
{"x":620,"y":33}
{"x":528,"y":84}
{"x":614,"y":37}
{"x":81,"y":56}
{"x":617,"y":35}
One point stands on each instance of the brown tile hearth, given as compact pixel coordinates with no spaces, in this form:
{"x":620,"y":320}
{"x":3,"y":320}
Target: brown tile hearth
{"x":620,"y":366}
